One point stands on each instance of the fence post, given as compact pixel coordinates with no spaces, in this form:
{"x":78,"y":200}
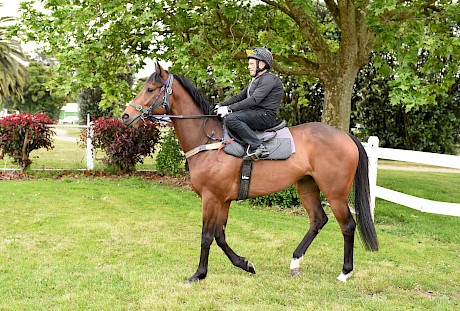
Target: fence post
{"x":372,"y":153}
{"x":89,"y":144}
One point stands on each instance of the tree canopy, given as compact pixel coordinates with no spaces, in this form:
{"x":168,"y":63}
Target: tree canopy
{"x":41,"y":92}
{"x":97,"y":42}
{"x":13,"y":74}
{"x":424,"y":38}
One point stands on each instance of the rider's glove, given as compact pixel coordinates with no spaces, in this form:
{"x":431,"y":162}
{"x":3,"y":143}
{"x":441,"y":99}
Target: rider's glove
{"x":222,"y":111}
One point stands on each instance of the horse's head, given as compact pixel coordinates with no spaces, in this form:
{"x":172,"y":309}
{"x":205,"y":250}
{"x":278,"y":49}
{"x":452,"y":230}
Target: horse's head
{"x":153,"y":98}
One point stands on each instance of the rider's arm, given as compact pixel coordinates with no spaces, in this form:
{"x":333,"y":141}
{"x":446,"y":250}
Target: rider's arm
{"x":234,"y":99}
{"x":264,"y":87}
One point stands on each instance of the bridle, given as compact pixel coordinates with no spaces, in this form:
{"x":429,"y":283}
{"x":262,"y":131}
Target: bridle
{"x":147,"y":113}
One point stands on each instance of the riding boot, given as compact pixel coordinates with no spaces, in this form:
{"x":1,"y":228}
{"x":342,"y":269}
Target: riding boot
{"x":258,"y":153}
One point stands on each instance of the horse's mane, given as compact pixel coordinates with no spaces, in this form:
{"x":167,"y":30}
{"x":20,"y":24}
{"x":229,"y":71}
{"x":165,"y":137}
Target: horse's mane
{"x":189,"y":87}
{"x":195,"y":93}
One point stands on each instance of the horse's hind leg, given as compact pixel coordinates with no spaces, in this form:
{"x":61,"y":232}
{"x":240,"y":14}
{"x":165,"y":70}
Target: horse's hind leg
{"x":309,"y":195}
{"x":347,"y":226}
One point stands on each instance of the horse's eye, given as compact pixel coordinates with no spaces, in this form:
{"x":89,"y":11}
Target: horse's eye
{"x":150,"y":90}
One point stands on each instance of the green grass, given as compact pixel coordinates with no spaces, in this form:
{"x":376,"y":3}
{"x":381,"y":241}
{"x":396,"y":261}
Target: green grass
{"x":440,"y":186}
{"x":127,"y":244}
{"x":68,"y":130}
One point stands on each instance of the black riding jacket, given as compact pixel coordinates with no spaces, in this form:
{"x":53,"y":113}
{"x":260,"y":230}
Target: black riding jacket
{"x":265,"y":92}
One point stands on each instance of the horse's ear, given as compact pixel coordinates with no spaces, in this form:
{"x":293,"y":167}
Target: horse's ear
{"x":161,"y":71}
{"x":158,"y":68}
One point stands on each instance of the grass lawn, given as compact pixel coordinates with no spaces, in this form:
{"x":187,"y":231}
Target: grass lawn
{"x":127,"y":244}
{"x":429,"y":185}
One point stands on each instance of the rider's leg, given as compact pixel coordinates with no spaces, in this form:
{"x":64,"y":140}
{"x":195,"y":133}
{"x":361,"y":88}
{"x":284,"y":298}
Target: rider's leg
{"x":242,"y":124}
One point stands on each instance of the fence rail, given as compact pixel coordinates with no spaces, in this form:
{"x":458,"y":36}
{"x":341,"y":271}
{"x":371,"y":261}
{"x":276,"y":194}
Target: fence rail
{"x":375,"y":152}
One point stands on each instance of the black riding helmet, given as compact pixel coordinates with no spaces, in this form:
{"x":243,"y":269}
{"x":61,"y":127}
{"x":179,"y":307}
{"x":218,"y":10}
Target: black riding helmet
{"x":262,"y":54}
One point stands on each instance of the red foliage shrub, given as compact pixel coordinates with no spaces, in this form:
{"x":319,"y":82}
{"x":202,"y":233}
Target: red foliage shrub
{"x":124,"y":146}
{"x":22,"y":133}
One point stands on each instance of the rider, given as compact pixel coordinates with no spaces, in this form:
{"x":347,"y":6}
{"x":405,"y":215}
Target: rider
{"x":255,"y":107}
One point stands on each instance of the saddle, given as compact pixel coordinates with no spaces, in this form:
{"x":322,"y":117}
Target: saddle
{"x":277,"y":139}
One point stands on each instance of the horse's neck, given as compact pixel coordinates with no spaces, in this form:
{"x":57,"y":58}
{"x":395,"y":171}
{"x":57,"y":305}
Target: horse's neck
{"x":189,"y":133}
{"x":192,"y":133}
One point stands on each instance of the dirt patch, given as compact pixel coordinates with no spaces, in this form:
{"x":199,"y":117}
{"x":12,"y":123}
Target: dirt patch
{"x":181,"y":182}
{"x":13,"y":176}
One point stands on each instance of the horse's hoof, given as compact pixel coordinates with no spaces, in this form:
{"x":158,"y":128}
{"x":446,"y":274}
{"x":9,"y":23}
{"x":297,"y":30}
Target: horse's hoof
{"x":250,"y":268}
{"x":343,"y":277}
{"x":295,"y":271}
{"x":192,"y":279}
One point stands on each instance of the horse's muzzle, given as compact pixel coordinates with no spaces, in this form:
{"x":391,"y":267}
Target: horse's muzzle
{"x":128,"y":121}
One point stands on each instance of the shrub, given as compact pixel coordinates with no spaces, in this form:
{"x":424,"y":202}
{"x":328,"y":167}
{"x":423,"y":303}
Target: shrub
{"x":287,"y":198}
{"x":123,"y":146}
{"x":22,"y":133}
{"x":170,"y":160}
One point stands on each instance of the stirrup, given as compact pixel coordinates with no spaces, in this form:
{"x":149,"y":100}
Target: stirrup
{"x":255,"y":156}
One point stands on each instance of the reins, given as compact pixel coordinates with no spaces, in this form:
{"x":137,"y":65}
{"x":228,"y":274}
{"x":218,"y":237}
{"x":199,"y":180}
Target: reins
{"x":173,"y":116}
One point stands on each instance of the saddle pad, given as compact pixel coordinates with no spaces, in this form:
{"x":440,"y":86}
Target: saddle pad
{"x":281,"y":147}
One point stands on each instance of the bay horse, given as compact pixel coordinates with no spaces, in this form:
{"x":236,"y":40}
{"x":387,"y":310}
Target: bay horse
{"x":326,"y":159}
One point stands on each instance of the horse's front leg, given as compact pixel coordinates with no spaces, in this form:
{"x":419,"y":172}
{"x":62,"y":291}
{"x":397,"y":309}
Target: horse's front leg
{"x":215,"y":215}
{"x":210,"y":212}
{"x":236,"y":260}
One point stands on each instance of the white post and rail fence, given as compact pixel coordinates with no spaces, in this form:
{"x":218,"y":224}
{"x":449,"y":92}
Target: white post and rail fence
{"x":374,"y":153}
{"x":89,"y":144}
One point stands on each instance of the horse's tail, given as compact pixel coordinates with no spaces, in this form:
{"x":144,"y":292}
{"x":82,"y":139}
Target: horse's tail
{"x":362,"y":200}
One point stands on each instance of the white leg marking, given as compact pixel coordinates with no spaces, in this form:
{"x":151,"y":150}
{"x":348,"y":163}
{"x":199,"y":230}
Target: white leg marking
{"x":343,"y":277}
{"x":295,"y":263}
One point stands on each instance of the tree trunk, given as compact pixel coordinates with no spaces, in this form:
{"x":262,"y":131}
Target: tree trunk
{"x":338,"y":89}
{"x":336,"y":68}
{"x":25,"y":162}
